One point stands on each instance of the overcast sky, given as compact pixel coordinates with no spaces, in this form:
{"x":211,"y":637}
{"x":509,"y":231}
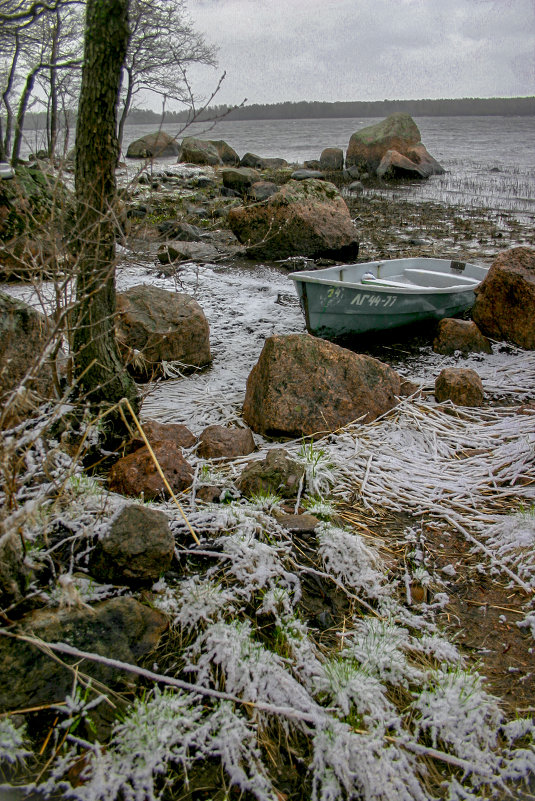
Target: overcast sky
{"x":277,"y":50}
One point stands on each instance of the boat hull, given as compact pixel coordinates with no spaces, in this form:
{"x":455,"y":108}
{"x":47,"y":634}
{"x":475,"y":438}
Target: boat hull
{"x":336,"y":308}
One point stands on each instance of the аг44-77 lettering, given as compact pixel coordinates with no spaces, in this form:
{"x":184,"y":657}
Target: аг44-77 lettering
{"x":364,"y":298}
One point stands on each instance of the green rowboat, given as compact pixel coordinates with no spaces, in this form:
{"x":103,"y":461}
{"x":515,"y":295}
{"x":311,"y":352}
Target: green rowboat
{"x":380,"y":295}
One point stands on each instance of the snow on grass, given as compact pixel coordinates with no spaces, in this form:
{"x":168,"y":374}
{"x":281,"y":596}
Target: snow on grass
{"x":12,"y":742}
{"x":346,"y":555}
{"x":365,"y":708}
{"x":171,"y":731}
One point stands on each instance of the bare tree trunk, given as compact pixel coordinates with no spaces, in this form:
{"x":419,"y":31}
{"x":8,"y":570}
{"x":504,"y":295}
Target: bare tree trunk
{"x":101,"y":375}
{"x":126,"y":108}
{"x":21,"y":113}
{"x":52,"y":127}
{"x":6,"y":94}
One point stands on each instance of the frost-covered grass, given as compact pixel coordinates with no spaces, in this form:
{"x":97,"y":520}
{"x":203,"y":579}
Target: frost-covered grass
{"x":312,"y":671}
{"x":381,"y":705}
{"x":386,"y":709}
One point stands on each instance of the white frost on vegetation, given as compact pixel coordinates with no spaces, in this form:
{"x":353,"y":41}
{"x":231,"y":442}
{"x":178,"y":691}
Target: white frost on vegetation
{"x":195,"y":600}
{"x":456,"y":712}
{"x":172,"y":730}
{"x":346,"y":556}
{"x":12,"y":739}
{"x":362,"y":767}
{"x":512,"y":538}
{"x":381,"y":647}
{"x":352,"y":687}
{"x":249,"y":670}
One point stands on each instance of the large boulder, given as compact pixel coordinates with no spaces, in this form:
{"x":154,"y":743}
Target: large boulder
{"x":227,"y":154}
{"x":394,"y":165}
{"x":137,"y":547}
{"x":153,"y":145}
{"x":504,"y":308}
{"x":137,"y":475}
{"x":24,"y":334}
{"x":304,"y":218}
{"x":212,"y":152}
{"x":27,"y":202}
{"x":397,"y":133}
{"x":154,"y":325}
{"x":120,"y":628}
{"x":460,"y":336}
{"x":302,"y":386}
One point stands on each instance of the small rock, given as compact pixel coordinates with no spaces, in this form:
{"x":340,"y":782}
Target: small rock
{"x":460,"y":385}
{"x":304,"y":525}
{"x":277,"y":474}
{"x":259,"y":163}
{"x":261,"y":190}
{"x":218,"y":442}
{"x":239,"y":179}
{"x":357,"y":187}
{"x":165,"y":432}
{"x":183,"y":231}
{"x":305,"y":175}
{"x":209,"y":493}
{"x":12,"y":574}
{"x":460,"y":335}
{"x":351,"y":172}
{"x":138,"y":547}
{"x":200,"y":252}
{"x":332,"y":158}
{"x":136,"y":475}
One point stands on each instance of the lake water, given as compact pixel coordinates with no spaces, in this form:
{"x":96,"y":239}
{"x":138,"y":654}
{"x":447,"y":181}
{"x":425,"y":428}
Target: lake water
{"x":490,"y":161}
{"x":244,"y":305}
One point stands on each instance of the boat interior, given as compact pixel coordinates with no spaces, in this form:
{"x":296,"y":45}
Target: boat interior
{"x":422,"y":274}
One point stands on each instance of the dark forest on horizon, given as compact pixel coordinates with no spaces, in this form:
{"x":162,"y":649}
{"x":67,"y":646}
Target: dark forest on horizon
{"x":469,"y":106}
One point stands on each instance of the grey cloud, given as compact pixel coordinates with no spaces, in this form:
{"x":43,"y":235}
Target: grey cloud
{"x":274,"y":50}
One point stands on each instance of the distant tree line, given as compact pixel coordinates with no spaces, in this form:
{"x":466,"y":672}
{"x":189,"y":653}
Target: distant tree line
{"x":468,"y":106}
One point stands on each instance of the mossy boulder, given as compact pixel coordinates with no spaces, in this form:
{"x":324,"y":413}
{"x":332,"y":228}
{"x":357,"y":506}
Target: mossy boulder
{"x":304,"y":218}
{"x":153,"y":145}
{"x":211,"y":152}
{"x":24,"y":334}
{"x":27,"y":201}
{"x":397,"y":135}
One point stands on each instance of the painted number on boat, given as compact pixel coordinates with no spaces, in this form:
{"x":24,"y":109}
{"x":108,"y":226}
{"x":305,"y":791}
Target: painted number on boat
{"x":364,"y":298}
{"x":385,"y":301}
